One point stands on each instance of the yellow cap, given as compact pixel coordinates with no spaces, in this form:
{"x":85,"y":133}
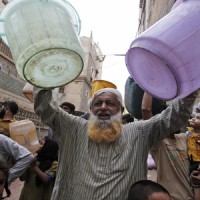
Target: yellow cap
{"x":100,"y":84}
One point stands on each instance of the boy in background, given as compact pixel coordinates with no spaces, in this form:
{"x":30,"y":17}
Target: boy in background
{"x":193,"y":145}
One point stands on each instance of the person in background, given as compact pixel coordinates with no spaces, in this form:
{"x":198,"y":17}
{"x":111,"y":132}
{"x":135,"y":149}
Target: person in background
{"x":147,"y":113}
{"x":193,"y":145}
{"x":17,"y":157}
{"x":100,"y":158}
{"x":7,"y":115}
{"x":68,"y":107}
{"x":195,"y":178}
{"x":4,"y":172}
{"x":146,"y":106}
{"x":40,"y":176}
{"x":148,"y":190}
{"x":170,"y":156}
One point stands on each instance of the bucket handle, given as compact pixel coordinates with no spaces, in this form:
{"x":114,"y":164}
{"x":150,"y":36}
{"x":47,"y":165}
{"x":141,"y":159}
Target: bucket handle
{"x":2,"y":33}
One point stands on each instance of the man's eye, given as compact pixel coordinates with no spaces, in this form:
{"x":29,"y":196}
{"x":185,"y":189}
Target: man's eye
{"x":97,"y":104}
{"x":111,"y":104}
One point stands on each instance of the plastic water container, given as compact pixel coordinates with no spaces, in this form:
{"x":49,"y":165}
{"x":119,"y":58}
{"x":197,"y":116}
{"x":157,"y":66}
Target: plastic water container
{"x":43,"y":39}
{"x":164,"y":60}
{"x":24,"y":132}
{"x":100,"y":84}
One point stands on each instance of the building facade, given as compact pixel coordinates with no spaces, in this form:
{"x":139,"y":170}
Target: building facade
{"x":11,"y":86}
{"x":151,"y":11}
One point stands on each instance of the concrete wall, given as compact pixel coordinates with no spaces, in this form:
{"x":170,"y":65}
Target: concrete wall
{"x":151,"y":11}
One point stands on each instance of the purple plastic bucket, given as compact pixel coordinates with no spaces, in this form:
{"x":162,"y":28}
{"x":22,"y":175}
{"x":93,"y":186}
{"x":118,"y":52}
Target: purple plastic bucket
{"x":165,"y":59}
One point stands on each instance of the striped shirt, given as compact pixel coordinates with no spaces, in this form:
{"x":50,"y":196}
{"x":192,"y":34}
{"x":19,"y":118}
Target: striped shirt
{"x":90,"y":171}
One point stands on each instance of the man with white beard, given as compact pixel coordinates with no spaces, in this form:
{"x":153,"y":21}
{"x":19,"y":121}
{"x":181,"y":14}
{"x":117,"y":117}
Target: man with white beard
{"x":101,"y":158}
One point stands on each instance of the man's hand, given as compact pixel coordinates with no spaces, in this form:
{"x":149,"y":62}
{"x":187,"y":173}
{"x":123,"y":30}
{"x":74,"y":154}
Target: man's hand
{"x":34,"y":160}
{"x":28,"y":91}
{"x":146,"y":106}
{"x":195,"y":178}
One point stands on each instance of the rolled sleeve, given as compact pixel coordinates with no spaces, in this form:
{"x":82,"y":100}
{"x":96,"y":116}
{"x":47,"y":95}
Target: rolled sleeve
{"x":50,"y":113}
{"x":19,"y":168}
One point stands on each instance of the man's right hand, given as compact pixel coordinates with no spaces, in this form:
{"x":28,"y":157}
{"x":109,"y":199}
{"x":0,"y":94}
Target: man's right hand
{"x":28,"y":91}
{"x":195,"y":178}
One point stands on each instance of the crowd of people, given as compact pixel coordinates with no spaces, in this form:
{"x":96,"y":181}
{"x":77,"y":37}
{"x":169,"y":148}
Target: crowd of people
{"x":104,"y":156}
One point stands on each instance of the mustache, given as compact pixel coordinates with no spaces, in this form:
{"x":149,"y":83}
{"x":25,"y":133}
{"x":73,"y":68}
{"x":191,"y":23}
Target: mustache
{"x":105,"y":123}
{"x":104,"y":112}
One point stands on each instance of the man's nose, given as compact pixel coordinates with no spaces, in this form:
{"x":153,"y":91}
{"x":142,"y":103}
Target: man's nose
{"x":104,"y":105}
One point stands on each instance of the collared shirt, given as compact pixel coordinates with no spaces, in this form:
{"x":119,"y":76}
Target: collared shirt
{"x":172,"y":164}
{"x":17,"y":156}
{"x":4,"y":126}
{"x":91,"y":171}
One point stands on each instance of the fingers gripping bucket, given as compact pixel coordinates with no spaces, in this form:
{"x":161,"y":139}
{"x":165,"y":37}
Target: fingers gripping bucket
{"x":100,"y":84}
{"x":44,"y":42}
{"x":164,"y":60}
